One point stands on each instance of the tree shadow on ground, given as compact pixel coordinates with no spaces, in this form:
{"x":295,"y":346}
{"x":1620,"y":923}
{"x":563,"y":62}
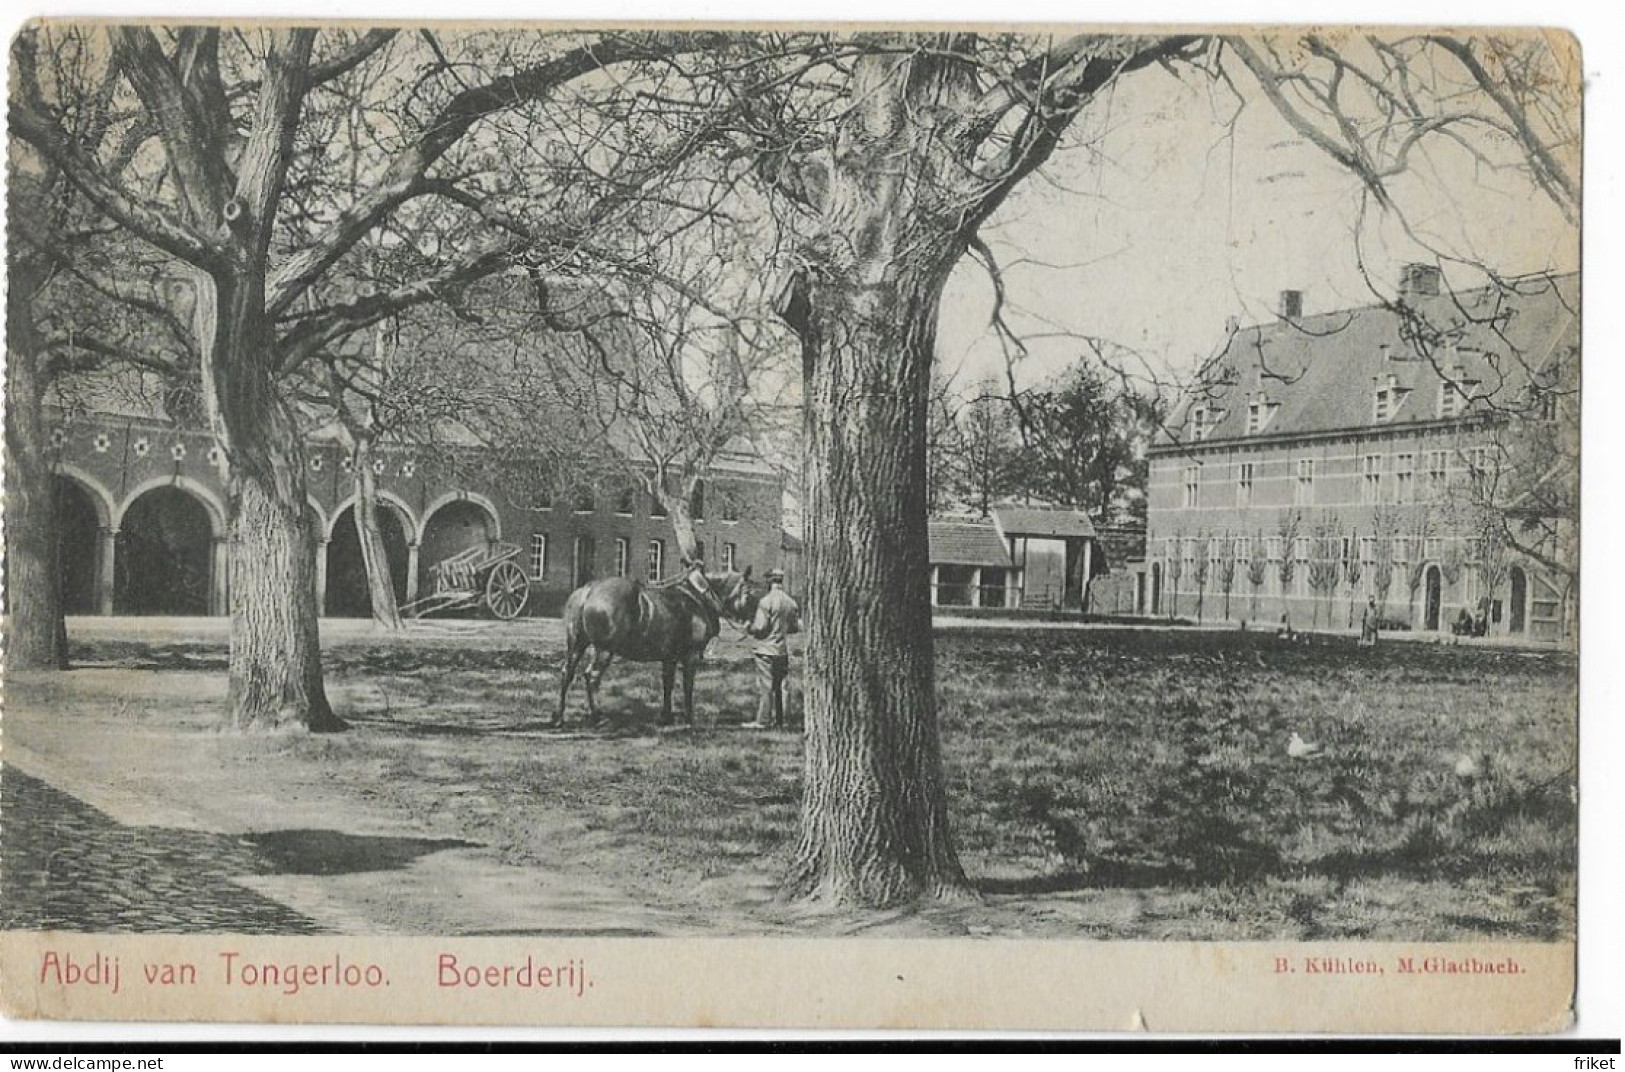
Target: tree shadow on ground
{"x":333,"y":852}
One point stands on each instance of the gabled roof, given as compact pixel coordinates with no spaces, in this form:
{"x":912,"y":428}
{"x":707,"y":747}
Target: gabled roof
{"x":966,"y":543}
{"x":1053,"y":521}
{"x":1322,"y":371}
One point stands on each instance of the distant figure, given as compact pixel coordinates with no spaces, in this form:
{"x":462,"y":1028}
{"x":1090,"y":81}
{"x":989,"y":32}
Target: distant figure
{"x":1463,"y":625}
{"x":777,"y":616}
{"x":1285,"y":631}
{"x":1368,"y":622}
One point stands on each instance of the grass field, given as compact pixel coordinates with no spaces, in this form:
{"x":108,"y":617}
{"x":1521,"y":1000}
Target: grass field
{"x":1104,"y":783}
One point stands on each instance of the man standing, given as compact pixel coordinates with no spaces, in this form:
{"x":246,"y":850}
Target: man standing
{"x":777,"y":616}
{"x":1369,"y":622}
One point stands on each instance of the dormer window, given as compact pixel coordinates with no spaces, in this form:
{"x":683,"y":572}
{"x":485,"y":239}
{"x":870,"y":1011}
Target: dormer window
{"x":1454,"y":394}
{"x":1203,"y":420}
{"x":1386,"y":400}
{"x":1260,"y":411}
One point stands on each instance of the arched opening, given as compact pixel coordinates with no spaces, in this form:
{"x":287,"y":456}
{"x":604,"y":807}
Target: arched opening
{"x":347,"y":592}
{"x":1432,"y":601}
{"x":1519,"y":600}
{"x":77,"y":539}
{"x":1156,"y":588}
{"x":164,"y":558}
{"x":449,"y":530}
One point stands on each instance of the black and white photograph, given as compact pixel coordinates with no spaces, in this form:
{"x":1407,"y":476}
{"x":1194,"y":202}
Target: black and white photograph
{"x":557,"y":490}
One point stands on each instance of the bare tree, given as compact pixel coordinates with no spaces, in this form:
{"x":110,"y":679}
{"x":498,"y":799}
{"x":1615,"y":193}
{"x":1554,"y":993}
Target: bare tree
{"x":1227,"y":569}
{"x":1201,"y":567}
{"x":1257,"y":567}
{"x":264,"y":219}
{"x":1288,"y":528}
{"x":1324,"y":568}
{"x":69,"y":314}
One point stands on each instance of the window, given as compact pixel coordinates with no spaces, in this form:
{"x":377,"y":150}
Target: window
{"x":1241,"y":549}
{"x":623,"y":503}
{"x":1300,"y":549}
{"x":1455,"y":393}
{"x":730,"y":554}
{"x":1273,"y":548}
{"x":1450,"y":399}
{"x":544,"y":499}
{"x":1386,"y":399}
{"x":1259,"y":413}
{"x":582,"y":566}
{"x":1404,"y":469}
{"x":538,"y":555}
{"x":585,"y":501}
{"x":1433,"y":548}
{"x":1368,"y":550}
{"x":699,"y":550}
{"x":623,"y":555}
{"x":1371,"y":479}
{"x":730,"y":507}
{"x":1203,"y":420}
{"x":657,"y":559}
{"x":1193,"y":484}
{"x":1244,"y":484}
{"x":696,"y":503}
{"x":1303,"y":492}
{"x":656,"y":507}
{"x":1402,"y":552}
{"x":1438,"y":476}
{"x":1480,"y":462}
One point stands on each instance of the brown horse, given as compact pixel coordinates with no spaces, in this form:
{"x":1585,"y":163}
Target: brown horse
{"x":670,"y":624}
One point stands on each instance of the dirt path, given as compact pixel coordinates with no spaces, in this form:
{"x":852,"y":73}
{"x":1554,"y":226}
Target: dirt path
{"x":340,"y":854}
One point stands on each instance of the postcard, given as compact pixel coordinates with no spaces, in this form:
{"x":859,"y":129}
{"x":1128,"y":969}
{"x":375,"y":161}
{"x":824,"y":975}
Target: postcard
{"x":803,"y":526}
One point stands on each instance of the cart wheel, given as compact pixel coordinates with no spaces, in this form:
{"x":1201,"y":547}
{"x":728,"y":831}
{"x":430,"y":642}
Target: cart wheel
{"x":506,"y":590}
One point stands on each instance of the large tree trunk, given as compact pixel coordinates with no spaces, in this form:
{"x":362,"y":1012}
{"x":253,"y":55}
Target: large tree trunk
{"x":35,"y":635}
{"x":370,"y":533}
{"x":275,"y":666}
{"x":875,"y":811}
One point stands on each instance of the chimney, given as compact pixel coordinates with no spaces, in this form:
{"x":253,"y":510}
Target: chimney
{"x":1419,"y":281}
{"x":1291,"y":307}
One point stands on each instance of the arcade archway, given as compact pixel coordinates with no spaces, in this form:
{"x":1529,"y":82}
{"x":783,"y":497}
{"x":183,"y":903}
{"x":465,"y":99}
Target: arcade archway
{"x":78,"y":543}
{"x":347,"y":593}
{"x":451,"y":528}
{"x":165,"y":559}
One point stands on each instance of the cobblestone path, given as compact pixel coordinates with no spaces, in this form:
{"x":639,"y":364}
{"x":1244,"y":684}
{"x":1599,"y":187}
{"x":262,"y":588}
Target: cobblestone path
{"x":66,"y":866}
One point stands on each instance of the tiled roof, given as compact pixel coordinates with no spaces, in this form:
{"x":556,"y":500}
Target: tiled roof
{"x":1322,"y":370}
{"x":1043,"y":521}
{"x":967,"y":543}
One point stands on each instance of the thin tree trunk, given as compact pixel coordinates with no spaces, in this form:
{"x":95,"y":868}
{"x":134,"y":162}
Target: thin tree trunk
{"x":370,"y":534}
{"x":35,"y":634}
{"x":874,"y":819}
{"x":682,"y":523}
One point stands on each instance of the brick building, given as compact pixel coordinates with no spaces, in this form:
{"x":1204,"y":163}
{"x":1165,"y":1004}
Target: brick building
{"x":1323,"y":459}
{"x":144,"y":519}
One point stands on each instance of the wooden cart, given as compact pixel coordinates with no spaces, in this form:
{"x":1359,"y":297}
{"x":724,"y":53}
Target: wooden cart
{"x":490,"y":573}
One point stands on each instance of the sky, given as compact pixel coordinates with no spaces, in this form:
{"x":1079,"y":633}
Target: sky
{"x":1168,"y":223}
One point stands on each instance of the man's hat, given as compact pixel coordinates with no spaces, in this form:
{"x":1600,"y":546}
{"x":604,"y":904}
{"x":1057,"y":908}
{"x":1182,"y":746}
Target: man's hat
{"x":775,"y":574}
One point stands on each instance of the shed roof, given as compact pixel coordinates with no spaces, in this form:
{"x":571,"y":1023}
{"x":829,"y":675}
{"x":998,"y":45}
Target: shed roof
{"x":1043,"y":521}
{"x":966,"y":543}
